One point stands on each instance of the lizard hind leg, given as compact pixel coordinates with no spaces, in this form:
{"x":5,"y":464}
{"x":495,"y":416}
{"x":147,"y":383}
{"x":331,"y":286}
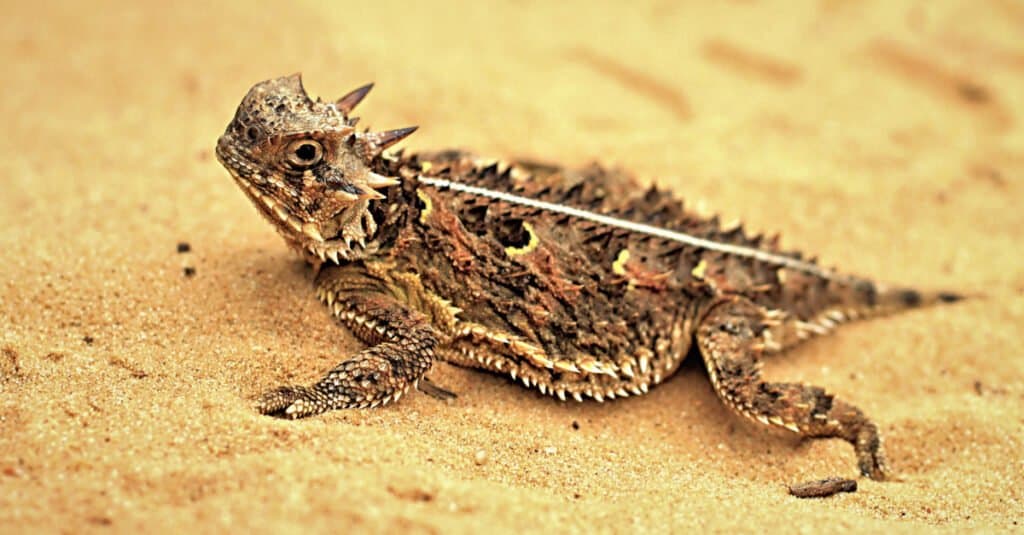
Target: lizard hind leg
{"x":729,"y":340}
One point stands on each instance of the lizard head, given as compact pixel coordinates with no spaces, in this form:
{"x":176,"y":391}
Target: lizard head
{"x":307,"y":170}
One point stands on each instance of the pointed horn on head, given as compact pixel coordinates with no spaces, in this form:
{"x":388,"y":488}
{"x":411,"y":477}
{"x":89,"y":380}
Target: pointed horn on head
{"x":345,"y":196}
{"x":348,"y":102}
{"x":379,"y":141}
{"x":380,"y":181}
{"x":294,"y":83}
{"x":371,"y":194}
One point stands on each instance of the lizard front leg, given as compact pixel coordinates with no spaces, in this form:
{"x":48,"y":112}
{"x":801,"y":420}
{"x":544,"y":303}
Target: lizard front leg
{"x":730,"y":342}
{"x":401,"y":340}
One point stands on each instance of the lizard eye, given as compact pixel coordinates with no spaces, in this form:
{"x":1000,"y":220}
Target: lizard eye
{"x":304,"y":153}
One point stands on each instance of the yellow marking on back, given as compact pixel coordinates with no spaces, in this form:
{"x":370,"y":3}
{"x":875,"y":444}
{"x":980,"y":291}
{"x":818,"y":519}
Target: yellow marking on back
{"x":700,"y":269}
{"x":409,"y":289}
{"x":619,"y":265}
{"x":426,"y":166}
{"x":428,"y":206}
{"x":530,"y":245}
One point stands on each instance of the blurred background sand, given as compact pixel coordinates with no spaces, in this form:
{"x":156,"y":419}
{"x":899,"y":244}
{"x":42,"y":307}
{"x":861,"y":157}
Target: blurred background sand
{"x":884,"y":136}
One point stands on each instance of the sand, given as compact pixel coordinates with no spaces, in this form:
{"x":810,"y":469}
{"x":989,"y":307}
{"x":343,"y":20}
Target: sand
{"x":883,"y":136}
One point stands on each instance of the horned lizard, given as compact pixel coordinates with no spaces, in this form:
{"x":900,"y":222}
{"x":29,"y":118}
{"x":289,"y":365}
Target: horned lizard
{"x":577,"y":282}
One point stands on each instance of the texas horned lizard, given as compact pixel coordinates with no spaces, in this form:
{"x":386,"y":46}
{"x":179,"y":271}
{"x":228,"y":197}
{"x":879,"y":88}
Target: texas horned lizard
{"x":577,"y":282}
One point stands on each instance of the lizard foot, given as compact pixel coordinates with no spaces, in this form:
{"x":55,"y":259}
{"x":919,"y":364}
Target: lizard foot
{"x":292,"y":402}
{"x":729,"y":340}
{"x":870,"y":459}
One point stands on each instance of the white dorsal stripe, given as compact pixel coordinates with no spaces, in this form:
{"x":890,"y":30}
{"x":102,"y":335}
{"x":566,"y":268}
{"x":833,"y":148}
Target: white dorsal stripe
{"x":632,"y":226}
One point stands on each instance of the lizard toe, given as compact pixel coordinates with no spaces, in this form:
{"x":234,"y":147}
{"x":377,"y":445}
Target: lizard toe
{"x":291,"y":402}
{"x":870,"y":458}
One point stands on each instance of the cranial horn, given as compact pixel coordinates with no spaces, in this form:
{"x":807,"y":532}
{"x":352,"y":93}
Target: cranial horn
{"x":371,"y":194}
{"x":380,"y":181}
{"x":345,"y":196}
{"x":378,"y":141}
{"x":348,"y":102}
{"x":291,"y":84}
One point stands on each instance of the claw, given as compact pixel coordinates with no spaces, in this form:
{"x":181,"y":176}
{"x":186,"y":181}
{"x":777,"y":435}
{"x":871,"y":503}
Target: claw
{"x":429,"y":388}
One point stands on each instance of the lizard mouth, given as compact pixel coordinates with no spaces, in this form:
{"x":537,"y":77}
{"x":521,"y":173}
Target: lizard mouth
{"x":337,"y":238}
{"x":349,"y":231}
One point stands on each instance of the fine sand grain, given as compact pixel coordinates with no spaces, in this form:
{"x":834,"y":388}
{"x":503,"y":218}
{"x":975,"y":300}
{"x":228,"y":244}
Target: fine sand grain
{"x":884,"y":137}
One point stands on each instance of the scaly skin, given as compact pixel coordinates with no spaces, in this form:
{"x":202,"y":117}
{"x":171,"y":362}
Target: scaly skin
{"x":575,"y":281}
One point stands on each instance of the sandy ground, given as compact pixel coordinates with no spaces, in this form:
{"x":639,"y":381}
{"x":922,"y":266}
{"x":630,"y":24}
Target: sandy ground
{"x":884,"y":136}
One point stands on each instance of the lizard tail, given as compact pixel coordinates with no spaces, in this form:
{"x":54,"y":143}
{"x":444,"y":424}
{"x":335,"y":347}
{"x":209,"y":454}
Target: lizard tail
{"x":853,"y":299}
{"x":890,"y":300}
{"x":864,"y":299}
{"x":876,"y":300}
